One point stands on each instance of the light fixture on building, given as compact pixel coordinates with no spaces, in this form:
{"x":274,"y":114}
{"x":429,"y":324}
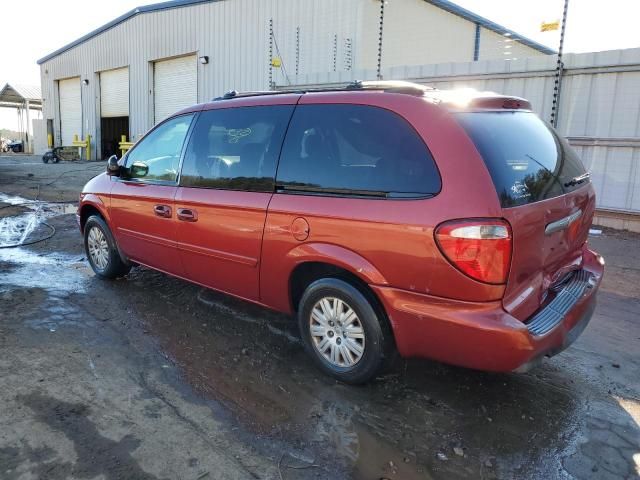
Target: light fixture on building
{"x":85,"y":82}
{"x":204,"y":60}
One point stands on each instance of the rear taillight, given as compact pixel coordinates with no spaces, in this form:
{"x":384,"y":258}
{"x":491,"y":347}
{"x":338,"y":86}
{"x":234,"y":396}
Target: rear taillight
{"x":479,"y":248}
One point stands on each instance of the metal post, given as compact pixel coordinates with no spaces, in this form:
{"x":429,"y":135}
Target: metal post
{"x":27,"y":147}
{"x":476,"y":44}
{"x":271,"y":54}
{"x":297,"y":50}
{"x":348,"y":54}
{"x":559,"y":70}
{"x":379,"y":70}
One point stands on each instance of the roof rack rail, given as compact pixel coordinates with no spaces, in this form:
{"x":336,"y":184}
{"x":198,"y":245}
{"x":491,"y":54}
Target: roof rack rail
{"x":391,"y":86}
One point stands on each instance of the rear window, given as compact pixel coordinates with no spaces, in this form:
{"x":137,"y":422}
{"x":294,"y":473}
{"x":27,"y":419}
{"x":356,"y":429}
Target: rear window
{"x":527,"y":160}
{"x":355,"y":150}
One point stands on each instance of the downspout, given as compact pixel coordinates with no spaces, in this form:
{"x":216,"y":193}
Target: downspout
{"x":476,"y":45}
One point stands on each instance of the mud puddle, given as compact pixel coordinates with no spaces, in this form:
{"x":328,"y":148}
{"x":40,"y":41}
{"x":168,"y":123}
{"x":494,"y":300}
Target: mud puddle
{"x":420,"y":420}
{"x":25,"y":222}
{"x":17,"y":229}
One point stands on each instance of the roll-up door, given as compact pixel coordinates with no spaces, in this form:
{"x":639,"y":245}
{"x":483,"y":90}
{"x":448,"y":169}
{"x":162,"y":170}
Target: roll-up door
{"x":70,"y":109}
{"x":114,"y":93}
{"x":175,"y":85}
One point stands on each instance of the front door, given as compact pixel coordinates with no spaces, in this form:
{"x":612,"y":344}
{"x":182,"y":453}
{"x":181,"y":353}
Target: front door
{"x":142,"y":200}
{"x":225,"y":187}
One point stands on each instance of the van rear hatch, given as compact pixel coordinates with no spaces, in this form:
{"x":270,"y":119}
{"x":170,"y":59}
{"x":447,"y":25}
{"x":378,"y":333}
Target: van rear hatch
{"x":546,"y":196}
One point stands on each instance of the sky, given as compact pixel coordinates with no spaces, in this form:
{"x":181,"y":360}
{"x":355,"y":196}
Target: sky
{"x":593,"y":25}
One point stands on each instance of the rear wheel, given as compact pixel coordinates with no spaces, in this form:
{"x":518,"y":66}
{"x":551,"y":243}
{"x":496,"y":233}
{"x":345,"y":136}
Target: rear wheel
{"x":102,"y":251}
{"x":343,"y":331}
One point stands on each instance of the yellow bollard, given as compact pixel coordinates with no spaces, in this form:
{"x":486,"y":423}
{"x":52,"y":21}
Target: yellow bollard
{"x":86,"y":144}
{"x":124,"y":145}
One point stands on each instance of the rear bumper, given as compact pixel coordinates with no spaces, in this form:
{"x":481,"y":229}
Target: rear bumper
{"x":483,"y":335}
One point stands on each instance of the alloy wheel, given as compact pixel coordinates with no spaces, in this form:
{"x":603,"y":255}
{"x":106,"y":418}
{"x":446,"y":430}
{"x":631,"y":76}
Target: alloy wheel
{"x":98,"y":248}
{"x":337,"y":332}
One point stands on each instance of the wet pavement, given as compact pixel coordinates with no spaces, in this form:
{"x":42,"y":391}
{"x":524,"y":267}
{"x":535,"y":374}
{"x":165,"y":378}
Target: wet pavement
{"x":152,"y":377}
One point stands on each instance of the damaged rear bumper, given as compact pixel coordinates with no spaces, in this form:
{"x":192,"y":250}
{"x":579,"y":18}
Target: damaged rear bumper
{"x":483,"y":335}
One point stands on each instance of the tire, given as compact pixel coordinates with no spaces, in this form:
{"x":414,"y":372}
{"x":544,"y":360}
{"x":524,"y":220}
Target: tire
{"x":102,"y":251}
{"x":320,"y":298}
{"x":45,"y":159}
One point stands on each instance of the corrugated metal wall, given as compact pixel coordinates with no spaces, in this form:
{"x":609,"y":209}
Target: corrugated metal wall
{"x":599,"y":111}
{"x":234,"y":34}
{"x":326,"y":36}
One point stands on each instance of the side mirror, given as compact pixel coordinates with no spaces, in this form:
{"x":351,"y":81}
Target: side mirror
{"x":138,"y":170}
{"x":113,"y":167}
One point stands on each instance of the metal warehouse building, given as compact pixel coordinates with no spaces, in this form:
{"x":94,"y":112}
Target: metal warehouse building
{"x":126,"y":76}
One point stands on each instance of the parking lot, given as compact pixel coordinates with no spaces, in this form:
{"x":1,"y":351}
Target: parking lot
{"x":152,"y":377}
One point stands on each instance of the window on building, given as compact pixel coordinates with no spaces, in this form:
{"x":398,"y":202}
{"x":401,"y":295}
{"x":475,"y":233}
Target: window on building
{"x":236,"y":148}
{"x":355,"y":149}
{"x":157,"y":156}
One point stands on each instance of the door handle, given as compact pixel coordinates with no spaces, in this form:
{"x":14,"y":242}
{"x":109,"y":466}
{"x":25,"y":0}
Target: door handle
{"x":187,"y":215}
{"x":162,"y":211}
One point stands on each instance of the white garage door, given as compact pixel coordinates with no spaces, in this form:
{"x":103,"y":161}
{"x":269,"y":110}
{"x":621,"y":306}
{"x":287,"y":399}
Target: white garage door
{"x":114,"y":93}
{"x":175,"y":85}
{"x":70,"y":109}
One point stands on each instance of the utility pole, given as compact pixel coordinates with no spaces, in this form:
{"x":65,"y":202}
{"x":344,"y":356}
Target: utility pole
{"x":379,"y":69}
{"x":559,"y":70}
{"x":271,"y":54}
{"x":297,"y":50}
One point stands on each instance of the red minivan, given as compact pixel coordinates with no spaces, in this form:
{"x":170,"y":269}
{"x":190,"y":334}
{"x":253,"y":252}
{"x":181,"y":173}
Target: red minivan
{"x":386,"y":216}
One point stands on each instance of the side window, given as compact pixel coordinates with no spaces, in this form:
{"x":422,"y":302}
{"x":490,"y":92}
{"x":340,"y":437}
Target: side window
{"x":157,"y":156}
{"x":236,"y":148}
{"x":355,"y":149}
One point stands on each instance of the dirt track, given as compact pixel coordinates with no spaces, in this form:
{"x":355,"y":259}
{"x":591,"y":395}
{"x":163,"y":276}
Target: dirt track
{"x":151,"y":377}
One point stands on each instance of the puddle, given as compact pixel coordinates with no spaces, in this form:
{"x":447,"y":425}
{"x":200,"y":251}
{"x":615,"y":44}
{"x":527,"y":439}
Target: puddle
{"x":49,"y":271}
{"x":18,"y":229}
{"x":210,"y":299}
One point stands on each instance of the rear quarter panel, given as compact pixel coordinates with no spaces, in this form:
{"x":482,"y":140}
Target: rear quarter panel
{"x":395,"y":237}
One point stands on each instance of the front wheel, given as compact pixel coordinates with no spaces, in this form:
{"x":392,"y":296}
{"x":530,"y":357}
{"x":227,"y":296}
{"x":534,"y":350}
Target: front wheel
{"x":343,"y":331}
{"x":102,"y":251}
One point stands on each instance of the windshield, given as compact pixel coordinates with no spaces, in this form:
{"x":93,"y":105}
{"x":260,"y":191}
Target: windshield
{"x":527,"y":160}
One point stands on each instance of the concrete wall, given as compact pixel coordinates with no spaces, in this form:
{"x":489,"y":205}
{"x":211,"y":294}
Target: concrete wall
{"x":599,"y":110}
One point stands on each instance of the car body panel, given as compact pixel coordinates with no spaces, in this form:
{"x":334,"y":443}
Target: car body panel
{"x":96,"y":194}
{"x":541,"y":259}
{"x":481,"y":335}
{"x":222,"y":248}
{"x":250,"y":243}
{"x":143,"y":236}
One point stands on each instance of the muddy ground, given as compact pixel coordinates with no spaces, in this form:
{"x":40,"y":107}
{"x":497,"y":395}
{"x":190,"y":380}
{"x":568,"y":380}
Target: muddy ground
{"x":150,"y":377}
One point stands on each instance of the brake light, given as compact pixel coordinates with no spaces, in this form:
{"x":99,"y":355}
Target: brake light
{"x":480,"y":249}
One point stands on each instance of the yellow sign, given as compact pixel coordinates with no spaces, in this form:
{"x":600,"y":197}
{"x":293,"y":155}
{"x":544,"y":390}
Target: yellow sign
{"x":549,"y":26}
{"x":276,"y":62}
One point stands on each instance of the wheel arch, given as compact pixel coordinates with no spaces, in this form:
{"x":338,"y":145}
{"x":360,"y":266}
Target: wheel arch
{"x":305,"y":273}
{"x":314,"y":261}
{"x":90,"y":205}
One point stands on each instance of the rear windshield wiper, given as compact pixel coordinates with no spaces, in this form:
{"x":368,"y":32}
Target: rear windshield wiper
{"x":578,"y":180}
